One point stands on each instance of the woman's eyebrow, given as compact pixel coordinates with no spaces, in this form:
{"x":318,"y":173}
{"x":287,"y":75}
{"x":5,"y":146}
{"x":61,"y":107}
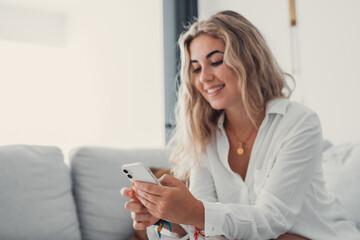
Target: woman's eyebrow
{"x":209,"y":55}
{"x":212,"y":53}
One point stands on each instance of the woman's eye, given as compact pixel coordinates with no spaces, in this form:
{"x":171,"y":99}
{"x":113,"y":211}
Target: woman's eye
{"x":197,"y":70}
{"x":217,"y":63}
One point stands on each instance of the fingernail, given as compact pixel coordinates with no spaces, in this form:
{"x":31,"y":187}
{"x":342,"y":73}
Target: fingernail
{"x":132,"y":189}
{"x":130,"y":194}
{"x":133,"y":184}
{"x":149,"y":223}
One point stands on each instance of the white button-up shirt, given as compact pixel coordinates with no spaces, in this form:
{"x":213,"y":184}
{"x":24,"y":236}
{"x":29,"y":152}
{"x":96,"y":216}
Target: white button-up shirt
{"x":283,"y":190}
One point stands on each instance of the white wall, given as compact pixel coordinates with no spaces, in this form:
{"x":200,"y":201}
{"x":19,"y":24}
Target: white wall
{"x":329,"y":37}
{"x":100,"y":84}
{"x":327,"y":43}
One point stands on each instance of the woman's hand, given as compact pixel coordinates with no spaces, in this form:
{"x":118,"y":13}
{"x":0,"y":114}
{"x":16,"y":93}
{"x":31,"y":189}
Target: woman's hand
{"x":140,"y":215}
{"x":172,"y":202}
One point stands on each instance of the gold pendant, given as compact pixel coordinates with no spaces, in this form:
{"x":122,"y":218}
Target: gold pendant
{"x":240,"y":150}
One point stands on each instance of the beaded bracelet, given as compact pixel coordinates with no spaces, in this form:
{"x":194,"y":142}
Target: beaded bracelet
{"x":160,"y":225}
{"x":197,"y":233}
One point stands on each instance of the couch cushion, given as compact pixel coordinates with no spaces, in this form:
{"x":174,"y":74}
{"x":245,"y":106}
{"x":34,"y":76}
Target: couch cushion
{"x":341,"y":165}
{"x":36,"y":200}
{"x":97,"y":180}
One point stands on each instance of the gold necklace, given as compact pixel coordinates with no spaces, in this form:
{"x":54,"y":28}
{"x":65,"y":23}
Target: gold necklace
{"x":240,"y":150}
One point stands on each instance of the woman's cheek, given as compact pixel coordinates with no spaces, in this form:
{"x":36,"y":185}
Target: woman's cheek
{"x":199,"y":88}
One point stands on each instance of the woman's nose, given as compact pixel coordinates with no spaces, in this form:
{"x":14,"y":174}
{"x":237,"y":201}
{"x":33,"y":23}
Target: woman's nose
{"x":206,"y":75}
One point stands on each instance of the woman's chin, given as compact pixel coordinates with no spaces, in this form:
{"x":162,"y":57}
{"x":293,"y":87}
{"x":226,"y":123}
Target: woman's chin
{"x":216,"y":106}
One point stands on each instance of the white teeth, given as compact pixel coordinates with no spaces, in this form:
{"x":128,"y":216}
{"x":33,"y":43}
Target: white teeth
{"x":215,"y":89}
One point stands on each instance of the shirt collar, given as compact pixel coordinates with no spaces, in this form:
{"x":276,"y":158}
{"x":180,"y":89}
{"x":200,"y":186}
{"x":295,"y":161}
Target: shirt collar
{"x":221,"y":120}
{"x":275,"y":106}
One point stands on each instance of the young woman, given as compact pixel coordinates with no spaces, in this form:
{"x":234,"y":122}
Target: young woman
{"x":252,"y":157}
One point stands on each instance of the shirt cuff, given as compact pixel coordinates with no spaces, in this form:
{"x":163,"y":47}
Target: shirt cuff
{"x":214,"y":219}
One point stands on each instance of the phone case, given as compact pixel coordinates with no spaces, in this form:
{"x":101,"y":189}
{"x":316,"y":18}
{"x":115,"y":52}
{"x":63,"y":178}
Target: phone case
{"x":139,"y":172}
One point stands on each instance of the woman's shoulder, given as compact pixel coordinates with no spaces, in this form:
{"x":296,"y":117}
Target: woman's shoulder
{"x":290,"y":110}
{"x":292,"y":118}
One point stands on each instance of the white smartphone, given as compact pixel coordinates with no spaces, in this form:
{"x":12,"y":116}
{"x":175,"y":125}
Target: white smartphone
{"x":139,"y":172}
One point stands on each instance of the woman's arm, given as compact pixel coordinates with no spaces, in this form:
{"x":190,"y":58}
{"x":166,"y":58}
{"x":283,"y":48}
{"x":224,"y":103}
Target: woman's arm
{"x":197,"y":221}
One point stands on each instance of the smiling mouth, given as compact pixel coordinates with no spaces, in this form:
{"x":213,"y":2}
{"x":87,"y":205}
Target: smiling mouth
{"x":212,"y":90}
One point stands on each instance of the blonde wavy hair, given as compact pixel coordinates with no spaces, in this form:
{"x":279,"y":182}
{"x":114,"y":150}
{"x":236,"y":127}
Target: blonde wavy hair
{"x":260,"y":79}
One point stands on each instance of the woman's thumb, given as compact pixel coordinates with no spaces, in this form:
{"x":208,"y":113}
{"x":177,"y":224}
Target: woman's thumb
{"x":168,"y":180}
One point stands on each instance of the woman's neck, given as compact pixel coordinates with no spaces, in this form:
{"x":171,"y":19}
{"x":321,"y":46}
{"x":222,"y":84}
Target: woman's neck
{"x":240,"y":122}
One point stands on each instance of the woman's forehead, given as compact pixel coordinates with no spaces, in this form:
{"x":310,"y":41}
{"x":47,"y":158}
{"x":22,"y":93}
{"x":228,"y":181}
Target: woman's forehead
{"x":204,"y":44}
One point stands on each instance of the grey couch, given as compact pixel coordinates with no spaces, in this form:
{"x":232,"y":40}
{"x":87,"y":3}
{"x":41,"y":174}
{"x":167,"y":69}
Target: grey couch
{"x":42,"y":198}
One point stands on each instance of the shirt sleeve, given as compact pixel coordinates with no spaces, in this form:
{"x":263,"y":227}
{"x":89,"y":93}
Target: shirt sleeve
{"x":280,"y":200}
{"x":202,"y":184}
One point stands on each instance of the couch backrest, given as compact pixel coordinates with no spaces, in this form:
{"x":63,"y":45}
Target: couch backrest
{"x":97,"y":180}
{"x":36,"y":201}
